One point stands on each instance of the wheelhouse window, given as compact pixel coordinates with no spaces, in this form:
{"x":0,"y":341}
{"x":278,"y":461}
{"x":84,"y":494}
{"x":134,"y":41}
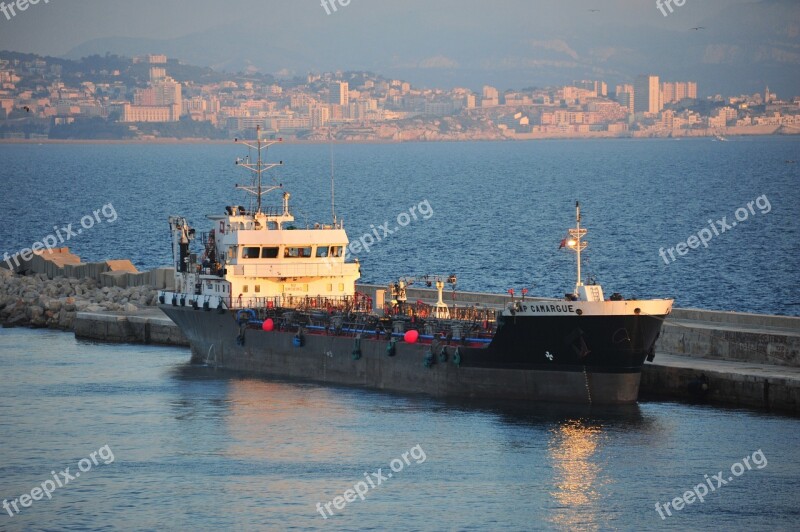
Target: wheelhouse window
{"x":269,"y":253}
{"x":332,"y":251}
{"x":250,"y":252}
{"x":297,"y":252}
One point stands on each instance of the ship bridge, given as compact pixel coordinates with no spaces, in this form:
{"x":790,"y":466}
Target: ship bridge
{"x":287,"y":265}
{"x":258,"y":258}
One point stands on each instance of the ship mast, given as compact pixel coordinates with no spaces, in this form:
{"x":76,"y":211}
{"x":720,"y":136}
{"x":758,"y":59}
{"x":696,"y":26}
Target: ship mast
{"x":575,"y":243}
{"x":258,"y":168}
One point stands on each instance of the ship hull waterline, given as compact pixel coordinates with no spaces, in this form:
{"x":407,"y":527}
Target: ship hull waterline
{"x":329,"y":359}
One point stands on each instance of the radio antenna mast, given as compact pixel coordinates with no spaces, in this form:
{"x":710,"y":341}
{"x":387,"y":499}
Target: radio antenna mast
{"x":258,"y":168}
{"x":330,"y":144}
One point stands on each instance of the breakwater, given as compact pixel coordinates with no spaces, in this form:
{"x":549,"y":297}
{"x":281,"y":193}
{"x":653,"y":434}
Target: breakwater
{"x":52,"y":287}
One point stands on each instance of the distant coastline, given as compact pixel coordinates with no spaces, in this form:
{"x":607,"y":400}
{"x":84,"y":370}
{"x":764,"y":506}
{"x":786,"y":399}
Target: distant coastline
{"x":752,"y":131}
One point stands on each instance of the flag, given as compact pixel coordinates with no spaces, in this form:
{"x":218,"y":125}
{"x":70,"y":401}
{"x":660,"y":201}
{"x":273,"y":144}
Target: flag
{"x":562,"y":244}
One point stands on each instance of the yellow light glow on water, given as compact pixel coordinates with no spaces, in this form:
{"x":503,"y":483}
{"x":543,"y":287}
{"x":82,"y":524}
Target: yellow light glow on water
{"x":577,"y":474}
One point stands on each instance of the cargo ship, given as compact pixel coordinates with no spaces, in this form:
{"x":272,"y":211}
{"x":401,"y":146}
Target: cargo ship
{"x":258,"y":294}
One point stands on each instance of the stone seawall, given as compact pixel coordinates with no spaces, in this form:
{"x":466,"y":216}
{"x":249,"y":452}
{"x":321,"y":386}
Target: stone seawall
{"x":734,"y":336}
{"x":37,"y":301}
{"x":49,"y":288}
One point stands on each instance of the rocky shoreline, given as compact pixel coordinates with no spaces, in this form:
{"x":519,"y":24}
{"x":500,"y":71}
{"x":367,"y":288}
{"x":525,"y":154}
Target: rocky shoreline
{"x":40,"y":302}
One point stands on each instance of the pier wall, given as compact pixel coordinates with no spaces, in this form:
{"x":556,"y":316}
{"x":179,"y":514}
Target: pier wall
{"x":717,"y":382}
{"x":149,"y":326}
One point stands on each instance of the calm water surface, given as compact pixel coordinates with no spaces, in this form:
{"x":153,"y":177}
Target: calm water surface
{"x":196,"y":449}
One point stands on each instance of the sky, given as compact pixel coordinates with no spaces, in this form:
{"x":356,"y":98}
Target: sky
{"x":743,"y":45}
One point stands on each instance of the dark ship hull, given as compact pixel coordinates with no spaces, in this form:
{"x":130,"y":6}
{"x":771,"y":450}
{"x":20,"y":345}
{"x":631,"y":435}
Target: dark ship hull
{"x":582,"y":359}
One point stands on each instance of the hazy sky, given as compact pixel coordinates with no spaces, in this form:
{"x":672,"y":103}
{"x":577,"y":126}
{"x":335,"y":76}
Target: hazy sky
{"x":510,"y":43}
{"x":60,"y":25}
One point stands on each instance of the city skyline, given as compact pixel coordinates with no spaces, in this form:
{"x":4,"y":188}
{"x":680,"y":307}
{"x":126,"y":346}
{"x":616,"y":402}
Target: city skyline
{"x":124,"y":98}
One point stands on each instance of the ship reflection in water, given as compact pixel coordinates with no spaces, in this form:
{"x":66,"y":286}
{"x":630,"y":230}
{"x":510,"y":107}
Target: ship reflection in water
{"x":267,"y":418}
{"x":578,"y":474}
{"x":263,"y":420}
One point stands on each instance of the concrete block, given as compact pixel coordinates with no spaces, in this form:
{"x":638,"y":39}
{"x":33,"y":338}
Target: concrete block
{"x":111,"y":279}
{"x":96,"y":269}
{"x":76,"y":271}
{"x":137,"y":279}
{"x":161,"y":277}
{"x":121,"y":265}
{"x":106,"y":327}
{"x":169,"y":281}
